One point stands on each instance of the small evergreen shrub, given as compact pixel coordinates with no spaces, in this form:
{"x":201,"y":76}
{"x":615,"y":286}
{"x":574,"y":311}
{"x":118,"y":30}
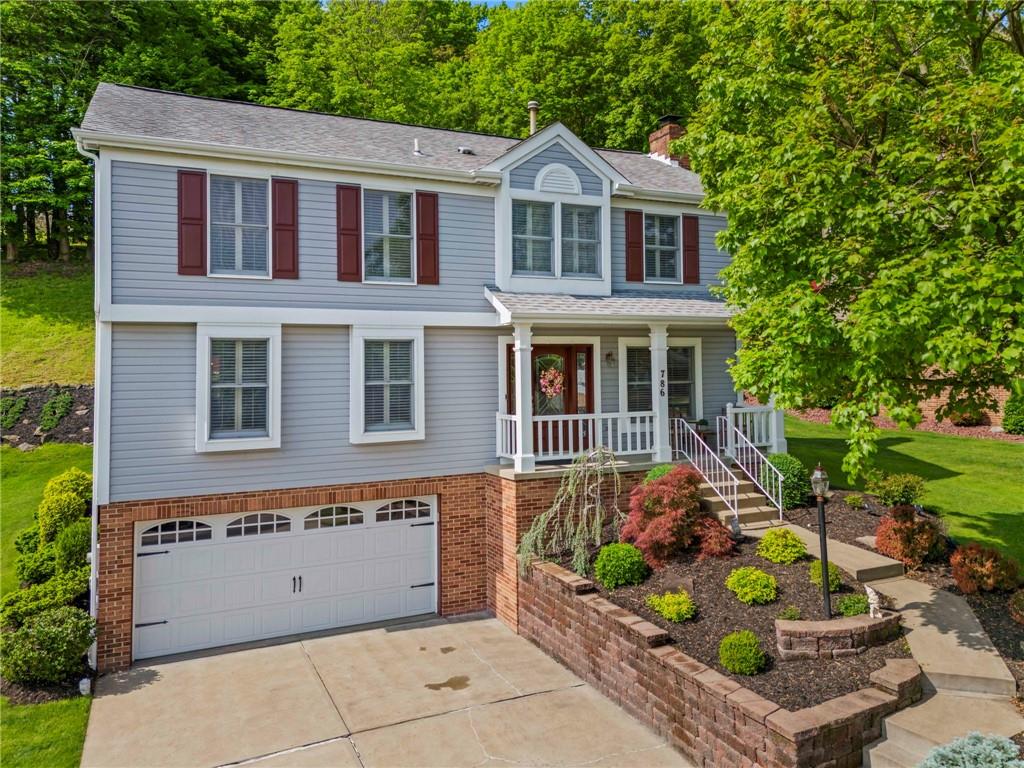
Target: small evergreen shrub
{"x":1013,"y":414}
{"x":796,"y":480}
{"x":835,"y":576}
{"x":790,"y":613}
{"x":975,"y":751}
{"x":11,"y":409}
{"x":48,"y":648}
{"x":27,"y":540}
{"x":904,"y":535}
{"x":36,"y":567}
{"x":17,"y":606}
{"x":740,"y":653}
{"x":74,"y":481}
{"x":855,"y":500}
{"x":752,"y":585}
{"x":853,"y":605}
{"x":896,"y":489}
{"x":1016,"y":606}
{"x":72,"y":546}
{"x":663,"y":515}
{"x":983,"y":569}
{"x":659,"y":471}
{"x":781,"y":545}
{"x":56,"y":512}
{"x":55,"y":409}
{"x":618,"y":565}
{"x":715,"y":539}
{"x":673,"y":606}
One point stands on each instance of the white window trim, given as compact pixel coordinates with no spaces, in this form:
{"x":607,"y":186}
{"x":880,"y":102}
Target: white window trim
{"x":204,"y":333}
{"x":369,"y":280}
{"x":557,"y":199}
{"x":209,"y":225}
{"x":673,"y":341}
{"x":678,"y":279}
{"x":357,"y":431}
{"x":592,"y":341}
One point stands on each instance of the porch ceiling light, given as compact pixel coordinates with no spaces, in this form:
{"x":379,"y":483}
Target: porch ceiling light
{"x":819,"y":481}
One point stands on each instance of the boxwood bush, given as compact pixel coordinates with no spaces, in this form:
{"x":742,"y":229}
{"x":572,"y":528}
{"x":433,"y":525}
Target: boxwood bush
{"x":835,"y":576}
{"x":72,"y":546}
{"x":853,"y":605}
{"x":19,"y":605}
{"x":1013,"y":414}
{"x":896,"y":489}
{"x":796,"y":482}
{"x":673,"y":606}
{"x":740,"y":653}
{"x":48,"y":647}
{"x":36,"y":567}
{"x":752,"y":585}
{"x":56,"y":512}
{"x":781,"y":545}
{"x":27,"y":540}
{"x":618,"y":565}
{"x":975,"y":751}
{"x":74,"y":481}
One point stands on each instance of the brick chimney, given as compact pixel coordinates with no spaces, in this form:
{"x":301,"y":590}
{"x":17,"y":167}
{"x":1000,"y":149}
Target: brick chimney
{"x":668,"y":130}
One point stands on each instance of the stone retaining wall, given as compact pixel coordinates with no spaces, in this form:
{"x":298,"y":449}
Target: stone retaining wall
{"x":846,"y":636}
{"x":709,"y":717}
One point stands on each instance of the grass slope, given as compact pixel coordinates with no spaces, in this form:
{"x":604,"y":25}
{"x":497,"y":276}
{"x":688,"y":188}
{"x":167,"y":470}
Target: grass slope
{"x":47,"y":325}
{"x":976,"y":485}
{"x":50,"y":734}
{"x":22,"y":477}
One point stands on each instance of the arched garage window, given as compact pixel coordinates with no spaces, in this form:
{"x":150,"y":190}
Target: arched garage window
{"x":333,"y":517}
{"x":258,"y":523}
{"x":405,"y":509}
{"x":176,"y":532}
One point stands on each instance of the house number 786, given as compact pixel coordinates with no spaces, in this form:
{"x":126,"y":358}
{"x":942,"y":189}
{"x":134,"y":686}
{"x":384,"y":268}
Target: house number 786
{"x":661,"y":383}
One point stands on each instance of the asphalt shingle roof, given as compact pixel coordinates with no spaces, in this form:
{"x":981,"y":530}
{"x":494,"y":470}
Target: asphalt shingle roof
{"x":620,"y":304}
{"x":153,"y":114}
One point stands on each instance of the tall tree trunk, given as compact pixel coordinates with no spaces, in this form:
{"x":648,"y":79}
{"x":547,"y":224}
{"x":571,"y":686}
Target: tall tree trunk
{"x":60,"y":231}
{"x":12,"y":250}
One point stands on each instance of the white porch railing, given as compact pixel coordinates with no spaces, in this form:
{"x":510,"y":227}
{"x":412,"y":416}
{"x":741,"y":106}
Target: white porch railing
{"x":761,"y":424}
{"x":565,"y":437}
{"x":690,"y":446}
{"x":755,"y":465}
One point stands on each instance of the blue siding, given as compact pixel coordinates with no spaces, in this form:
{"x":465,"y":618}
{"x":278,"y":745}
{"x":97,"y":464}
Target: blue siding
{"x":523,"y":175}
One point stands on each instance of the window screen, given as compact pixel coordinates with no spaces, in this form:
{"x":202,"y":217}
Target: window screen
{"x":531,"y":237}
{"x":388,"y":378}
{"x":661,"y":247}
{"x":239,"y":371}
{"x":680,"y":383}
{"x":638,"y":379}
{"x":581,"y":239}
{"x":387,"y":239}
{"x":238,"y":226}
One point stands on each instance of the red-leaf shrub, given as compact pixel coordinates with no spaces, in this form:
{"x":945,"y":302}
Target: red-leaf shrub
{"x":663,"y":515}
{"x":904,"y":535}
{"x":715,"y":539}
{"x":982,"y":569}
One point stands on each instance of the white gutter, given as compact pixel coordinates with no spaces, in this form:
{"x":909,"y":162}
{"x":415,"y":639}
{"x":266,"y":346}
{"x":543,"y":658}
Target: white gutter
{"x":662,"y":195}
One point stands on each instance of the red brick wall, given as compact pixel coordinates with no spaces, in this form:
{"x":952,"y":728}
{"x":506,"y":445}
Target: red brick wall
{"x":995,"y":418}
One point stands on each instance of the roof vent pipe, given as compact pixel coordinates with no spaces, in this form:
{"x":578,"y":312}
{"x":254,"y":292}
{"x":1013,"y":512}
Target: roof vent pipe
{"x":416,"y":147}
{"x":534,"y":107}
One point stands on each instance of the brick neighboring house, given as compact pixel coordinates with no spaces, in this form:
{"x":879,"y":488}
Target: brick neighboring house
{"x":990,"y":417}
{"x":342,"y":363}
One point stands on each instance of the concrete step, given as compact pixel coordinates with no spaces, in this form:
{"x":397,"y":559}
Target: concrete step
{"x":750,"y":515}
{"x":885,"y":754}
{"x":745,"y":486}
{"x":860,"y":563}
{"x":743,"y":501}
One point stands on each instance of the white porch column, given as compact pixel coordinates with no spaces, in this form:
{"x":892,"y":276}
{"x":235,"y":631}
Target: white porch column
{"x":659,"y":392}
{"x":522,"y":349}
{"x":777,"y":428}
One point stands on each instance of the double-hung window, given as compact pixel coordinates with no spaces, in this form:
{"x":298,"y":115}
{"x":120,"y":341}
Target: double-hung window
{"x":661,"y":247}
{"x":386,"y":384}
{"x":581,"y":240}
{"x":239,"y":235}
{"x":532,"y":237}
{"x":387,"y":236}
{"x":638,"y":379}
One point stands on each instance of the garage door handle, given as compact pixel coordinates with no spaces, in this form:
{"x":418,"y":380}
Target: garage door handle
{"x":417,"y":586}
{"x":293,"y":585}
{"x":150,"y":623}
{"x":300,"y":583}
{"x":147,"y":554}
{"x":417,"y":525}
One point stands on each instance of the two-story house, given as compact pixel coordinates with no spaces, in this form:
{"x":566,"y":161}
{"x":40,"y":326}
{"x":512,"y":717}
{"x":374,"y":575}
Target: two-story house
{"x":340,"y":363}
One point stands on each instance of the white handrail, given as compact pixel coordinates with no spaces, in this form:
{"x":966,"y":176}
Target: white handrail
{"x":687,"y":442}
{"x":565,"y":436}
{"x":734,"y":444}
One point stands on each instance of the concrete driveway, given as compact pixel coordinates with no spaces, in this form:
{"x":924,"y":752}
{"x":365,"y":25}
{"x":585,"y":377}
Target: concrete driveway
{"x":434,"y":693}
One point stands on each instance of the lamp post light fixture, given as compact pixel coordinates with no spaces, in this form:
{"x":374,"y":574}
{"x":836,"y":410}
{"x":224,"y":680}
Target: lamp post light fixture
{"x":819,"y":484}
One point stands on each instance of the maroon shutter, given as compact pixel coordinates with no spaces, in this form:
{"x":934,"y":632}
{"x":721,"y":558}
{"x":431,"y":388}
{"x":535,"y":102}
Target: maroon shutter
{"x":191,"y":223}
{"x":350,"y":246}
{"x":691,"y":250}
{"x":286,"y":228}
{"x":634,"y":246}
{"x":428,"y":268}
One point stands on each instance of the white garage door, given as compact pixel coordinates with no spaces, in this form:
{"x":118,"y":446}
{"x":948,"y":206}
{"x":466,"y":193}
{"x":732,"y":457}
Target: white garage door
{"x":209,"y":581}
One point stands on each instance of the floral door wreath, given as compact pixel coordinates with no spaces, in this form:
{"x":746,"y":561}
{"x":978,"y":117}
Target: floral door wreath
{"x":552,"y":383}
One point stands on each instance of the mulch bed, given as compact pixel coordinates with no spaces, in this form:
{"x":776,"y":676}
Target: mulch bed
{"x":791,"y":684}
{"x":824,"y":416}
{"x":24,"y":694}
{"x":842,"y":522}
{"x":75,"y":427}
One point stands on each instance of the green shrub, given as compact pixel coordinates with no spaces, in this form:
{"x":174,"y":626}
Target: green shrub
{"x":1013,"y":414}
{"x":853,"y":605}
{"x":835,"y":576}
{"x":48,"y":648}
{"x":72,"y":546}
{"x":975,"y":751}
{"x":740,"y":653}
{"x":74,"y":481}
{"x":56,"y":512}
{"x":27,"y":540}
{"x":855,"y":500}
{"x":36,"y":567}
{"x":790,"y":613}
{"x":673,"y":606}
{"x":659,"y":471}
{"x":55,"y":409}
{"x":17,"y":606}
{"x":752,"y":585}
{"x":11,"y":409}
{"x":892,"y":490}
{"x":618,"y":565}
{"x":796,"y":483}
{"x":781,"y":545}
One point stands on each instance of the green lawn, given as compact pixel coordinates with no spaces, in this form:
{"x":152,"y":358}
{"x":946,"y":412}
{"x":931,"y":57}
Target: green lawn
{"x":47,"y":324}
{"x":50,"y":734}
{"x":976,"y":485}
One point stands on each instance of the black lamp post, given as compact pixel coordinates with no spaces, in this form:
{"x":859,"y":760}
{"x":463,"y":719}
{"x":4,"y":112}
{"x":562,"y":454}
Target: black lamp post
{"x":819,"y":484}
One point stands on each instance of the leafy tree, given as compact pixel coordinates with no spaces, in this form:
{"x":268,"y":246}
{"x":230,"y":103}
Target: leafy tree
{"x":871,"y":159}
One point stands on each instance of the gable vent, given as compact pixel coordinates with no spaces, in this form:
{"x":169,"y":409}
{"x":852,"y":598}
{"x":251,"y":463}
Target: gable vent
{"x":558,"y":178}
